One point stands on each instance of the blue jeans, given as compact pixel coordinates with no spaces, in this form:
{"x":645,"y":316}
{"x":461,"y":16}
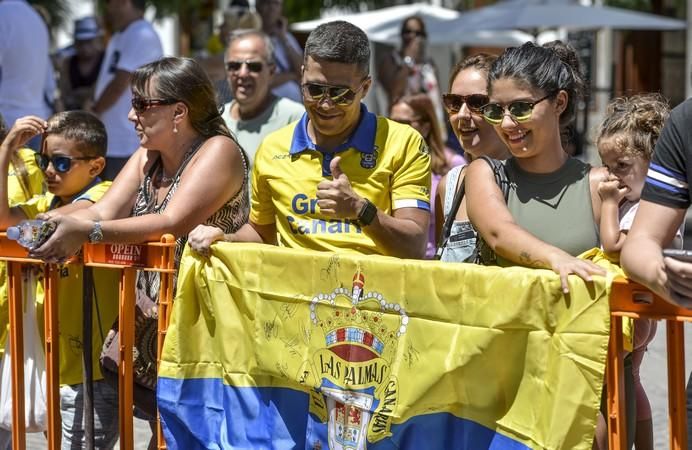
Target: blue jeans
{"x":105,"y":416}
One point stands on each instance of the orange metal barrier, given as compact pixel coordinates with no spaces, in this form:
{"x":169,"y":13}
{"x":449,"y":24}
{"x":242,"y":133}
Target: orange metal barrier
{"x":629,"y":299}
{"x":154,"y":256}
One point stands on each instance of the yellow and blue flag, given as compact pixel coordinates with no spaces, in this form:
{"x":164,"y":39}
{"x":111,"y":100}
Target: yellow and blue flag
{"x":270,"y":348}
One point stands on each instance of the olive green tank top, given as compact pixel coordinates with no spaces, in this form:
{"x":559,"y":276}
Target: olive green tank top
{"x":554,"y":207}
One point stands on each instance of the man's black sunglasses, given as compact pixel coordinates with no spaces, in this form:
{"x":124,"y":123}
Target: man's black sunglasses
{"x":61,"y":164}
{"x":252,"y":66}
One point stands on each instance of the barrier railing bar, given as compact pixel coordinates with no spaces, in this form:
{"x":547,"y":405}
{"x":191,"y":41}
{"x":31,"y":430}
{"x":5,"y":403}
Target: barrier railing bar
{"x":14,"y":285}
{"x":165,"y":307}
{"x":52,"y":349}
{"x":126,"y":328}
{"x":676,"y":385}
{"x":617,"y":435}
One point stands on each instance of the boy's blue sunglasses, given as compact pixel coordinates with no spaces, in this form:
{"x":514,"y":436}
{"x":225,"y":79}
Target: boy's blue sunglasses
{"x":61,"y":164}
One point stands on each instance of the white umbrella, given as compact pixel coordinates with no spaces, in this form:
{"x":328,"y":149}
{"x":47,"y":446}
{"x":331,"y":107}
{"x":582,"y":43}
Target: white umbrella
{"x":384,"y":25}
{"x":568,"y":14}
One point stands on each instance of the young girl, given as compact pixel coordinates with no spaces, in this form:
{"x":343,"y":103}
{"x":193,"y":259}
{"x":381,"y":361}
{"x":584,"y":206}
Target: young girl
{"x":626,"y":141}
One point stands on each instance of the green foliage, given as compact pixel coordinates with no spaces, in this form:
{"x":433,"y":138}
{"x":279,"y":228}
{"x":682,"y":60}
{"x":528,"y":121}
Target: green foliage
{"x":637,"y":5}
{"x":181,"y":7}
{"x":55,"y":12}
{"x":298,"y":10}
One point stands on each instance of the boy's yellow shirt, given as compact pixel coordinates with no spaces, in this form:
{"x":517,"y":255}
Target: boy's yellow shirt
{"x":34,"y":176}
{"x":70,"y":298}
{"x":16,"y":194}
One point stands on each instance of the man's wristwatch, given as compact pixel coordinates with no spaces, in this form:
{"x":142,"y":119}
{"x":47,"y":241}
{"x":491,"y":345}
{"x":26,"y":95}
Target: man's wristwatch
{"x":367,"y":213}
{"x":96,"y":234}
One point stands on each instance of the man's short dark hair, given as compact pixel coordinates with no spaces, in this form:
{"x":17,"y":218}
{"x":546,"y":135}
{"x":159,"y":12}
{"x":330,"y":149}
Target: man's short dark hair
{"x":340,"y":42}
{"x":84,"y":129}
{"x":139,"y":4}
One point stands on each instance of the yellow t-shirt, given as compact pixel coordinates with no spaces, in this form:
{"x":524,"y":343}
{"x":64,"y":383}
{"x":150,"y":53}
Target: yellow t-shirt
{"x":386,"y":162}
{"x":16,"y":193}
{"x":70,"y":298}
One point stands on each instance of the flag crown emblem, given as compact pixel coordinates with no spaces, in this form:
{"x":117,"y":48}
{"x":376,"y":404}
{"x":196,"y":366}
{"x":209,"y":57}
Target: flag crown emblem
{"x":357,"y":319}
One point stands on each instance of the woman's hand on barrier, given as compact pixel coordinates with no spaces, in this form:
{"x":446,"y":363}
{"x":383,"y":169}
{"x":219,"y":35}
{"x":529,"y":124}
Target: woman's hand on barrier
{"x":679,"y":281}
{"x":202,"y":236}
{"x":67,"y":239}
{"x":564,"y":265}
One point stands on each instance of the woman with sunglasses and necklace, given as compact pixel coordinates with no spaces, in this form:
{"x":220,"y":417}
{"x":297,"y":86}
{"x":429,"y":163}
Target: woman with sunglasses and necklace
{"x":187,"y":171}
{"x":467,"y":95}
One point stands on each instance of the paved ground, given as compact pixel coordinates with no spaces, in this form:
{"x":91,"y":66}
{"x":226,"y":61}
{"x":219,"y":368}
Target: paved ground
{"x":36,"y":441}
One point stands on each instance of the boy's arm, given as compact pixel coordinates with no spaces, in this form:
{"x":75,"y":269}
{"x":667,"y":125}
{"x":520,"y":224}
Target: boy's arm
{"x":24,"y":129}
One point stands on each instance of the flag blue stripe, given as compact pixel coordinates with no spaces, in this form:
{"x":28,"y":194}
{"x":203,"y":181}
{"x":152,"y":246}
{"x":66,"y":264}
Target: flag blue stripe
{"x":206,"y":414}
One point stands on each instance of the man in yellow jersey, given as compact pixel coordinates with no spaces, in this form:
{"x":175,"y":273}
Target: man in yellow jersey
{"x":341,"y":178}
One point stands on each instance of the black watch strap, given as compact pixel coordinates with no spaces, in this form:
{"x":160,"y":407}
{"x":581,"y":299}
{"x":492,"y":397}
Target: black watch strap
{"x":367,"y":213}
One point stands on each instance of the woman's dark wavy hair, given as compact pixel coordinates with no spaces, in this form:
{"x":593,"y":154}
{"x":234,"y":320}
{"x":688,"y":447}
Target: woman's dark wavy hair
{"x":184,"y":80}
{"x":549,"y":68}
{"x":480,"y":62}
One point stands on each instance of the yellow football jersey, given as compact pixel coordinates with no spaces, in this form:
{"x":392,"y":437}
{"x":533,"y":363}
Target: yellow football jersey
{"x":386,"y":162}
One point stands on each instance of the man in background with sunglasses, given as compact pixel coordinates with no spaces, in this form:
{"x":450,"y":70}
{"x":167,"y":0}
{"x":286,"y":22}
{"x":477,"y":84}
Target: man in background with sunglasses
{"x":341,"y":178}
{"x":134,"y":43}
{"x":254,"y":111}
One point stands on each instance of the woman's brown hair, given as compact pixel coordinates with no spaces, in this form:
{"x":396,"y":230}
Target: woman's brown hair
{"x":423,"y":105}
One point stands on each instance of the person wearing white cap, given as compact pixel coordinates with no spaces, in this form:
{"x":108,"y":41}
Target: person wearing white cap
{"x":79,"y":71}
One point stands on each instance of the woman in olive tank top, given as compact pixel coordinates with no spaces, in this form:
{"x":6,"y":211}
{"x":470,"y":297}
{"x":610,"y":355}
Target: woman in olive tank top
{"x":552,"y":210}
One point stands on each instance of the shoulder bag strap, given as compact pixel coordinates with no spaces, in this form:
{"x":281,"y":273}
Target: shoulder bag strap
{"x":449,"y":219}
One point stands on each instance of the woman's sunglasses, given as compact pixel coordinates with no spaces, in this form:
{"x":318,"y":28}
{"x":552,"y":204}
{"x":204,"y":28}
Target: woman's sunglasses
{"x":493,"y":113}
{"x":252,"y":66}
{"x":61,"y":164}
{"x":339,"y":95}
{"x":141,"y":104}
{"x":474,"y":102}
{"x":418,"y":33}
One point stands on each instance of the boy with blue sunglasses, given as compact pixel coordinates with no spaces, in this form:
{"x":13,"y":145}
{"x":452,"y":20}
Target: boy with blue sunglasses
{"x":72,"y":157}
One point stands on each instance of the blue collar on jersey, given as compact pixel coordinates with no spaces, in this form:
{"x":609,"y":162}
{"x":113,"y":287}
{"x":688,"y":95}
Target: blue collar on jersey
{"x":362,"y":139}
